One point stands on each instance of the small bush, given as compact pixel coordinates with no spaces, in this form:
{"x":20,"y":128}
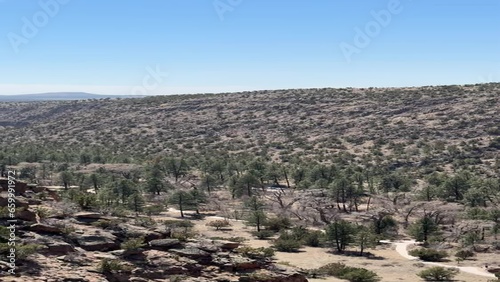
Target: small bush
{"x":43,"y":212}
{"x":356,"y":274}
{"x":256,"y":253}
{"x":287,"y":245}
{"x":438,"y":273}
{"x":263,"y":234}
{"x":132,"y":244}
{"x":428,"y":254}
{"x":111,"y":265}
{"x":147,"y":222}
{"x":183,"y":234}
{"x":107,"y":224}
{"x":178,"y":223}
{"x":464,"y":254}
{"x":278,"y":224}
{"x":23,"y":251}
{"x":218,"y":224}
{"x":154,"y":209}
{"x":352,"y":274}
{"x":313,"y":239}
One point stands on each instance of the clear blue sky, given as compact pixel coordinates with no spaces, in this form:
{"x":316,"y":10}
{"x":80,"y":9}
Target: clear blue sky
{"x":107,"y":46}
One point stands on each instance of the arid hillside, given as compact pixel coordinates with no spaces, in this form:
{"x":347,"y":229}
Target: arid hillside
{"x":408,"y":125}
{"x":358,"y":185}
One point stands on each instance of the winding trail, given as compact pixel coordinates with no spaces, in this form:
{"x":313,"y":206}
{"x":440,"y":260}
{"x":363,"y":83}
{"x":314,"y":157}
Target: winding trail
{"x":402,"y":250}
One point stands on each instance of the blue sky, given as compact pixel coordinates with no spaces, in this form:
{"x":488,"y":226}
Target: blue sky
{"x":115,"y":47}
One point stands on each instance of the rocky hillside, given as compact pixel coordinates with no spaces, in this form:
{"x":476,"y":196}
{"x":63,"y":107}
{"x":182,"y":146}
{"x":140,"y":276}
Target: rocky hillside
{"x":408,"y":126}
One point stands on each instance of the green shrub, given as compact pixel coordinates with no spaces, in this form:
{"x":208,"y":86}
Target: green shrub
{"x":277,"y":224}
{"x":154,"y":209}
{"x":107,"y":224}
{"x":438,"y":273}
{"x":287,"y":245}
{"x":313,"y":239}
{"x":178,"y":223}
{"x":255,"y":253}
{"x":132,"y":244}
{"x":111,"y":265}
{"x":23,"y":251}
{"x":263,"y":234}
{"x":464,"y":254}
{"x":332,"y":269}
{"x":428,"y":254}
{"x":352,"y":274}
{"x":356,"y":274}
{"x":147,"y":222}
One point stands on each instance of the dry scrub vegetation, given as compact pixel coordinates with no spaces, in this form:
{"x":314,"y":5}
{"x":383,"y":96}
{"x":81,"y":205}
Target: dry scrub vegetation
{"x":284,"y":185}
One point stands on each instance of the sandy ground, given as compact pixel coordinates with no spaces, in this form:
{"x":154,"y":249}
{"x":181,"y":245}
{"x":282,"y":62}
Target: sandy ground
{"x":395,"y":264}
{"x":402,"y":249}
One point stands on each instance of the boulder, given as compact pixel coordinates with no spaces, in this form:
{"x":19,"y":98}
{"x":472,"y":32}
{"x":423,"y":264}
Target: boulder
{"x":26,"y":215}
{"x":274,"y":277}
{"x":44,"y":228}
{"x":21,"y":202}
{"x":34,"y":202}
{"x":37,"y":189}
{"x":193,"y":253}
{"x":206,"y":246}
{"x":19,"y":187}
{"x":132,"y":231}
{"x":58,"y":248}
{"x":164,"y":244}
{"x":228,"y":245}
{"x":88,"y":217}
{"x":97,"y":242}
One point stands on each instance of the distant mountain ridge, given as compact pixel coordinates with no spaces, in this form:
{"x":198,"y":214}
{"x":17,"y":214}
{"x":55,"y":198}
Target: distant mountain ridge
{"x":60,"y":96}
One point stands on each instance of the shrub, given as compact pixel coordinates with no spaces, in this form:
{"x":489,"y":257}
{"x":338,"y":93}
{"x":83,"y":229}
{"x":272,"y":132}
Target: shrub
{"x":313,"y":239}
{"x":352,"y":274}
{"x":111,"y":265}
{"x":43,"y":212}
{"x":256,"y":253}
{"x":147,"y":222}
{"x":183,"y":234}
{"x":23,"y":251}
{"x":178,"y":223}
{"x":154,"y":209}
{"x":356,"y":274}
{"x":263,"y":234}
{"x":464,"y":254}
{"x":332,"y":269}
{"x":438,"y":273}
{"x":107,"y":224}
{"x":132,"y":244}
{"x":218,"y":224}
{"x":428,"y":254}
{"x":287,"y":245}
{"x":277,"y":224}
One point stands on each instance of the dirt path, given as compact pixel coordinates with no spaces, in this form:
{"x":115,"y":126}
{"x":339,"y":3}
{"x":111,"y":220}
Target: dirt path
{"x":402,"y":249}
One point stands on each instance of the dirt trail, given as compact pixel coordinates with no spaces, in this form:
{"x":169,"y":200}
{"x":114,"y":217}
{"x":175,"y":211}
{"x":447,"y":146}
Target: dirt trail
{"x":402,"y":249}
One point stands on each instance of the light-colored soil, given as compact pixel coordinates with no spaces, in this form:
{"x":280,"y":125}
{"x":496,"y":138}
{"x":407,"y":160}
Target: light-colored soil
{"x":395,"y":264}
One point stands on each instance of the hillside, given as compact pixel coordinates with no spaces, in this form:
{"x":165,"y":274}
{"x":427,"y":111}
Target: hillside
{"x":359,"y":185}
{"x":435,"y":125}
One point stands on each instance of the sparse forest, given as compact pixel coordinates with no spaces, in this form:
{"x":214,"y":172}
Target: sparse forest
{"x":225,"y":187}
